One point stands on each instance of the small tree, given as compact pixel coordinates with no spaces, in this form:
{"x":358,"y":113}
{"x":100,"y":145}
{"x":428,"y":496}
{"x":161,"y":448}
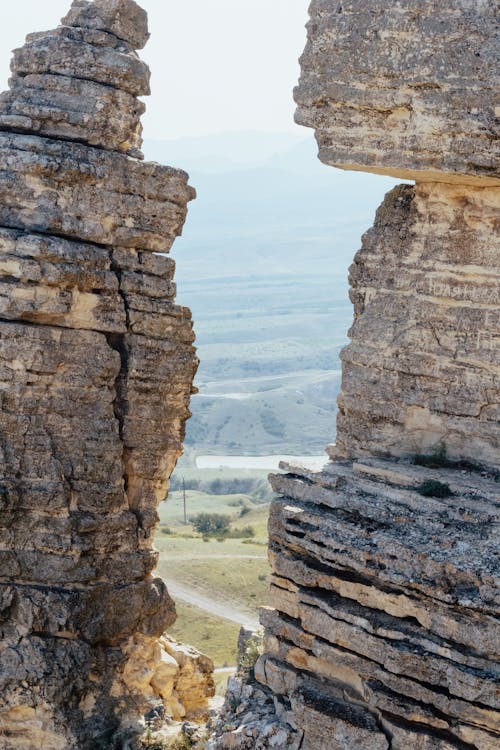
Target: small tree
{"x":211,"y":524}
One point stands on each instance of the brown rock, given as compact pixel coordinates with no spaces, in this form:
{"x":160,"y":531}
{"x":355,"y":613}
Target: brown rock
{"x":96,"y":370}
{"x":407,"y":89}
{"x":384,"y":627}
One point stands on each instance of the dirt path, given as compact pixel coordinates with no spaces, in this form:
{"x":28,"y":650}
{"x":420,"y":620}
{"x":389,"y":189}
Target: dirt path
{"x":211,"y":605}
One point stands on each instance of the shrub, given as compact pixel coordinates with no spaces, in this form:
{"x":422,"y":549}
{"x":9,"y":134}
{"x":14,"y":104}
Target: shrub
{"x":211,"y":524}
{"x":433,"y":488}
{"x":247,"y":532}
{"x":249,"y":658}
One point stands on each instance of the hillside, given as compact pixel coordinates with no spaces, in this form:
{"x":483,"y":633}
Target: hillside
{"x":263,"y":266}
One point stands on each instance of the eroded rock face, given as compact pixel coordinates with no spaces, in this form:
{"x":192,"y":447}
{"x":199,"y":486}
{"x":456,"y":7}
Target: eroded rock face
{"x":96,"y":369}
{"x":384,"y":629}
{"x":423,"y":366}
{"x":407,"y":89}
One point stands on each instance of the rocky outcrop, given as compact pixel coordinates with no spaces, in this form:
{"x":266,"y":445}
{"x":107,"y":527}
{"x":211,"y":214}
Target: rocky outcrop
{"x":407,"y":89}
{"x":252,"y":717}
{"x":96,"y":370}
{"x":383,"y":633}
{"x":423,"y":367}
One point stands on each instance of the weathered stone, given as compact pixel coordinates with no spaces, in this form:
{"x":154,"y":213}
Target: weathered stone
{"x":192,"y":684}
{"x":73,"y":109}
{"x":80,"y":53}
{"x":123,"y":18}
{"x":51,"y":281}
{"x":407,"y":89}
{"x":81,"y":83}
{"x":427,"y":326}
{"x":384,"y":631}
{"x":381,"y":592}
{"x":96,"y":370}
{"x":65,"y":188}
{"x":253,"y":717}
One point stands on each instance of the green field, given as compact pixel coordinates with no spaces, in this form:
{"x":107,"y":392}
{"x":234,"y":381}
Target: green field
{"x":213,"y":636}
{"x":234,"y":572}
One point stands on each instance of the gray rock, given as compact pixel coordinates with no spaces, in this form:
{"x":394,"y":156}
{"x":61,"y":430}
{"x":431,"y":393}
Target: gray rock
{"x":80,"y":53}
{"x":66,"y":188}
{"x":73,"y":109}
{"x":384,"y":626}
{"x":123,"y":18}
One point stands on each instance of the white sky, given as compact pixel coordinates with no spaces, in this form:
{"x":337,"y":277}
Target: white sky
{"x":218,"y":65}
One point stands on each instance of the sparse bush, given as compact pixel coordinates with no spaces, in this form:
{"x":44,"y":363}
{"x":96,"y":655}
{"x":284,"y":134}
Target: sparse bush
{"x":433,"y":488}
{"x":236,"y":503}
{"x":271,"y":424}
{"x":245,"y":509}
{"x":246,"y":532}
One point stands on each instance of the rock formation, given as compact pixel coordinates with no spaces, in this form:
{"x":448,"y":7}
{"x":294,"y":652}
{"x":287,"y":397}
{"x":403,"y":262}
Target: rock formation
{"x":96,"y":370}
{"x":384,"y":632}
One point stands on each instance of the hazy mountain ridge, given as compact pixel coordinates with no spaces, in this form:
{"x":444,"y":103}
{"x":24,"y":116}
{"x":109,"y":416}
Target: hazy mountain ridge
{"x":263,"y":266}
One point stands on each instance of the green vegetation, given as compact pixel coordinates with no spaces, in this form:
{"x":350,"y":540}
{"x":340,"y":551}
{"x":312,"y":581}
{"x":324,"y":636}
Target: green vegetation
{"x":235,"y":573}
{"x":214,"y":636}
{"x":248,"y":660}
{"x":433,"y":488}
{"x":211,"y":524}
{"x":270,"y":421}
{"x":255,"y":487}
{"x":241,"y":511}
{"x":437,"y":459}
{"x":154,"y":741}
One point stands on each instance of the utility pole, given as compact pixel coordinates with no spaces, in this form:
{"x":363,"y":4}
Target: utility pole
{"x":184,"y":498}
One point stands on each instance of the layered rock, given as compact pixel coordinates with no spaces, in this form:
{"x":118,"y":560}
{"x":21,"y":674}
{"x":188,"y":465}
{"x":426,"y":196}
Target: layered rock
{"x":423,"y":365}
{"x":96,"y":370}
{"x":409,"y":90}
{"x":384,"y":629}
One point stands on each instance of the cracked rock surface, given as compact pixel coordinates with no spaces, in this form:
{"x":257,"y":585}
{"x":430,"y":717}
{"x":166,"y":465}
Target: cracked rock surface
{"x":408,"y":89}
{"x":384,"y":629}
{"x":96,"y":370}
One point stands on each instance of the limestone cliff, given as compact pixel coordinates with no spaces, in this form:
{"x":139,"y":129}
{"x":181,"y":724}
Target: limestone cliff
{"x":384,"y":632}
{"x":96,"y":369}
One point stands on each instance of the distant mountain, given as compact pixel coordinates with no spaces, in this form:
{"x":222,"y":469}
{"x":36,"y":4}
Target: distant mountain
{"x":222,"y":152}
{"x":267,"y":196}
{"x":263,"y":265}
